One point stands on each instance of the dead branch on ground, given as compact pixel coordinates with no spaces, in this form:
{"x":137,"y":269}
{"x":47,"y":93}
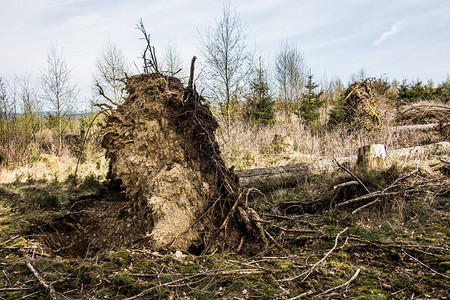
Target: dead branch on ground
{"x":342,"y":285}
{"x":308,"y":272}
{"x":50,"y":290}
{"x":351,"y":174}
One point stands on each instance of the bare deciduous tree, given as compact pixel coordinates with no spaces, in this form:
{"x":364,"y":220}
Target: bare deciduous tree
{"x":227,"y":60}
{"x":19,"y":119}
{"x":359,"y":76}
{"x":111,"y":72}
{"x":172,"y":63}
{"x":57,"y":88}
{"x":290,"y":76}
{"x":4,"y":101}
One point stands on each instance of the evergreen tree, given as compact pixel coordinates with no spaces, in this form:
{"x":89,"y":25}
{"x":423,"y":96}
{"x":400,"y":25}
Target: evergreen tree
{"x":309,"y":107}
{"x":260,"y":103}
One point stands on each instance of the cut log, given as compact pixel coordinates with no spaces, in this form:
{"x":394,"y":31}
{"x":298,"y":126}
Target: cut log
{"x":420,"y":127}
{"x":418,"y":152}
{"x":266,"y":179}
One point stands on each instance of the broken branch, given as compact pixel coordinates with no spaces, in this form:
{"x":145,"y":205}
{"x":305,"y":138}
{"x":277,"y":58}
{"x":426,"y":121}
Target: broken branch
{"x":351,"y":174}
{"x":308,"y":272}
{"x":342,"y":285}
{"x":48,"y":288}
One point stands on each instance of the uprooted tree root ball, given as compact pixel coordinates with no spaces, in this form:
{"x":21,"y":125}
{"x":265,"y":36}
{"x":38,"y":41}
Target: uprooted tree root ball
{"x":162,"y":149}
{"x":360,"y":108}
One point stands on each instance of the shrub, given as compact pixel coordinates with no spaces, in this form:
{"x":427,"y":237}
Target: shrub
{"x":49,"y":201}
{"x":443,"y":92}
{"x":337,"y":114}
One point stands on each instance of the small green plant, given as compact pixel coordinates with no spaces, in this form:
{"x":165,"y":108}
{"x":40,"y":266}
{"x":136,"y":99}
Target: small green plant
{"x":92,"y":183}
{"x":49,"y":201}
{"x":337,"y":113}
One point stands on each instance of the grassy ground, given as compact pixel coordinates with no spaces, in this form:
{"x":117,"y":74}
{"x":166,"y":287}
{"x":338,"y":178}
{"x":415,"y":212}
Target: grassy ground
{"x":397,"y":248}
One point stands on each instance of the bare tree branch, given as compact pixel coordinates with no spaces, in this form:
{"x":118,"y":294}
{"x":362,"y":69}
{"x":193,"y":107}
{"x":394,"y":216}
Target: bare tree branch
{"x":151,"y":63}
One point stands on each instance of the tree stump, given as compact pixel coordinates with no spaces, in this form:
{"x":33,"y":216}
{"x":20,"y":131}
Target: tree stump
{"x":372,"y":156}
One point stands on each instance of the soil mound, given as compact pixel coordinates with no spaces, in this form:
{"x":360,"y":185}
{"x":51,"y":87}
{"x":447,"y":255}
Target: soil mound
{"x":162,"y":149}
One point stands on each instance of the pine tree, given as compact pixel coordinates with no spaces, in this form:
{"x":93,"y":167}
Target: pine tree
{"x":309,"y":107}
{"x":260,"y":103}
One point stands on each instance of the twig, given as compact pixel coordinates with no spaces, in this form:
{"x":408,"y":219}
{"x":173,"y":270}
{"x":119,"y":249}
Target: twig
{"x":365,"y":206}
{"x":301,"y":295}
{"x":426,"y":266}
{"x":351,"y":174}
{"x":342,"y":285}
{"x":384,"y":193}
{"x":48,"y":288}
{"x":6,"y":276}
{"x":297,"y":230}
{"x":372,"y":195}
{"x":222,"y":271}
{"x":150,"y":64}
{"x":348,"y":183}
{"x":365,"y":197}
{"x":11,"y":289}
{"x":225,"y":222}
{"x":392,"y":185}
{"x":308,"y":272}
{"x":9,"y":240}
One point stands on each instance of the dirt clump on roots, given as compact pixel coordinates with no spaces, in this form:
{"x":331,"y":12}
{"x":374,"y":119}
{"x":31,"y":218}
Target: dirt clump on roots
{"x":162,"y":149}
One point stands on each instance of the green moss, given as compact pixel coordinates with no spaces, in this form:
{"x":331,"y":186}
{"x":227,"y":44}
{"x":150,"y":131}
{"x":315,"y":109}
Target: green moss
{"x":371,"y":297}
{"x":88,"y":273}
{"x":14,"y":295}
{"x":160,"y":292}
{"x":20,"y":242}
{"x":401,"y":281}
{"x":121,"y":279}
{"x":444,"y":267}
{"x":105,"y":293}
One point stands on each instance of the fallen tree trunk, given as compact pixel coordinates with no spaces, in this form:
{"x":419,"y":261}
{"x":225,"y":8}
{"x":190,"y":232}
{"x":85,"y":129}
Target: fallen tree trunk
{"x":266,"y":179}
{"x":423,"y":127}
{"x":418,"y":152}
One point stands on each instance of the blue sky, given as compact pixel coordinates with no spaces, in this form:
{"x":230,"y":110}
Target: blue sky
{"x":401,"y":39}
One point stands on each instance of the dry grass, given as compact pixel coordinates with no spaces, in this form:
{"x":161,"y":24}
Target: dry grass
{"x":245,"y":146}
{"x":52,"y":168}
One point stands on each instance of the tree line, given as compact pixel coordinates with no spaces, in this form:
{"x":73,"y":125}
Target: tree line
{"x":238,"y":86}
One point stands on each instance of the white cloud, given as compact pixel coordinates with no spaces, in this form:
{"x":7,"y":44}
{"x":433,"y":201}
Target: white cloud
{"x":395,"y":29}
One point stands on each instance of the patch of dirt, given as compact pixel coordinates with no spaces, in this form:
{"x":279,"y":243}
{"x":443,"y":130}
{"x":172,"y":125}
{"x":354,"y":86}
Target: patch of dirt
{"x":95,"y":223}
